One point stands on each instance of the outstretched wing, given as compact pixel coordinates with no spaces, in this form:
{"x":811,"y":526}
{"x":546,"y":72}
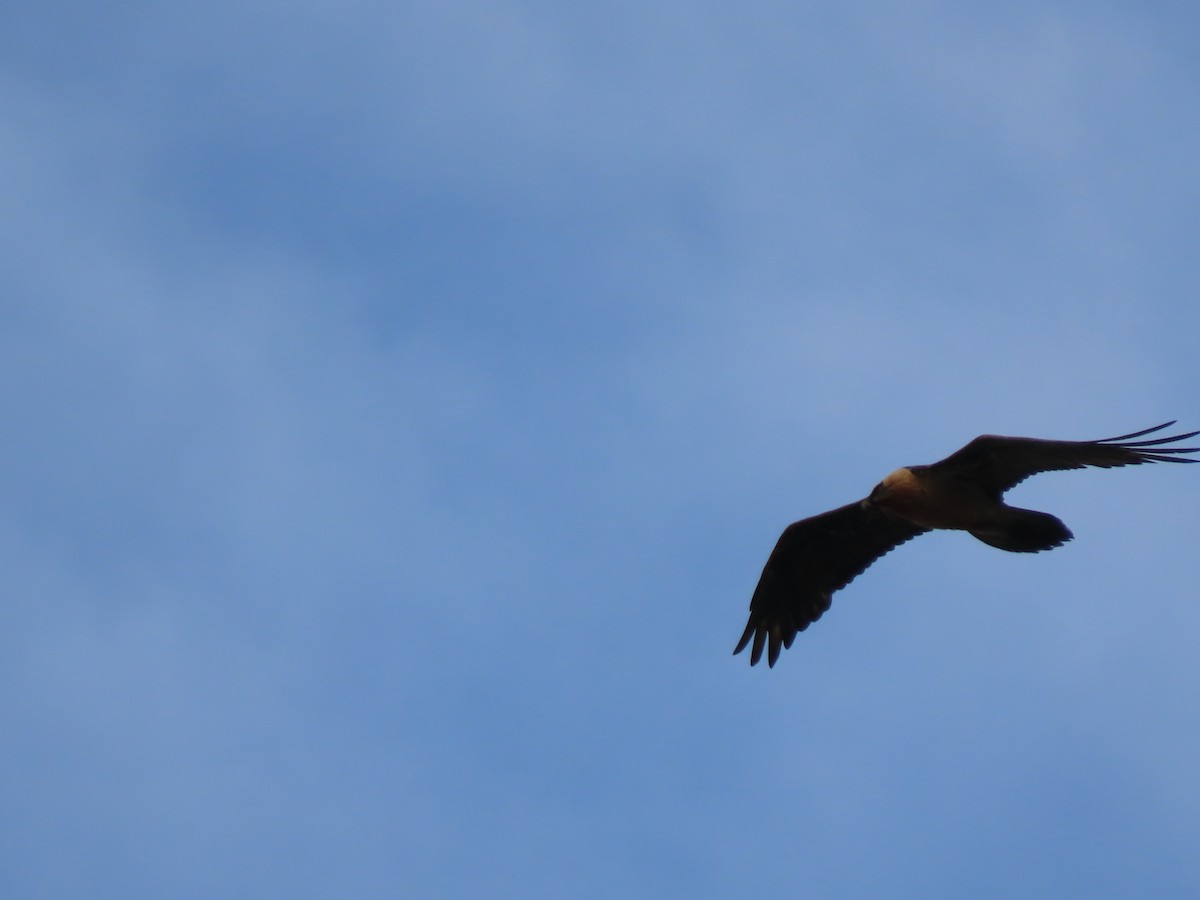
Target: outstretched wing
{"x":813,"y":558}
{"x":998,"y":463}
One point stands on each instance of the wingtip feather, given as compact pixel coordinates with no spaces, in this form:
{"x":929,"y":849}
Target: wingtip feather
{"x":745,"y":639}
{"x":1133,"y":434}
{"x":774,"y":648}
{"x":760,"y":638}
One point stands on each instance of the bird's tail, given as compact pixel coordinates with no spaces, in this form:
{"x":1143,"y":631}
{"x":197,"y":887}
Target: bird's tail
{"x":1024,"y":531}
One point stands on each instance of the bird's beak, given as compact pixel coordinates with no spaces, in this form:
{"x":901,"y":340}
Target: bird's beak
{"x":877,"y":494}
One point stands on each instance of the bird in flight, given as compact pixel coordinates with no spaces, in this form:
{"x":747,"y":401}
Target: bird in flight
{"x":822,"y":554}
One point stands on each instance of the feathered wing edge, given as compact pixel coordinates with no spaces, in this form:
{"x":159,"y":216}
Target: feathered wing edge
{"x":812,"y":559}
{"x":1000,"y":463}
{"x":1161,"y":454}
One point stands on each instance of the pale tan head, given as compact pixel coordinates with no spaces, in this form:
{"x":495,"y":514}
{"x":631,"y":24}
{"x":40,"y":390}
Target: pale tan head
{"x":901,"y":482}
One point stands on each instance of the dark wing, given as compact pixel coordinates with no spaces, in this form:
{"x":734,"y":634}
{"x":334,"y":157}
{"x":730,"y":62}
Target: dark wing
{"x":998,"y":463}
{"x":813,"y":558}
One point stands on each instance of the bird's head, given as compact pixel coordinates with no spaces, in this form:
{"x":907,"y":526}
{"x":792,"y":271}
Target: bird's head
{"x":898,"y":481}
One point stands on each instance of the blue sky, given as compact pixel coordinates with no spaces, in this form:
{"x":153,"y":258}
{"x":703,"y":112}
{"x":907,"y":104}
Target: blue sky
{"x":402,"y":400}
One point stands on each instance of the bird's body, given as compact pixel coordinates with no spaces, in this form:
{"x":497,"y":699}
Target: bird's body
{"x":935,"y":497}
{"x":964,"y":492}
{"x":926,"y":498}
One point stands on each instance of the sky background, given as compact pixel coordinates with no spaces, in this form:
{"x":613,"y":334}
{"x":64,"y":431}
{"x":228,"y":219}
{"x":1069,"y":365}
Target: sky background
{"x":401,"y":400}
